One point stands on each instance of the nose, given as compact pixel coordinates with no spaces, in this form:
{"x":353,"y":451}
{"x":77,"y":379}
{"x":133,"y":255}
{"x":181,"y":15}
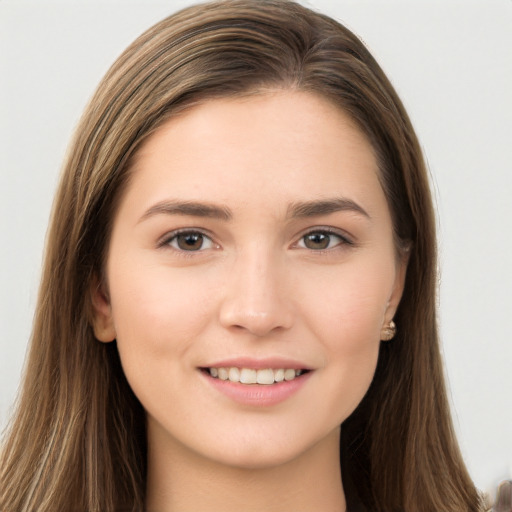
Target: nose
{"x":257,"y":298}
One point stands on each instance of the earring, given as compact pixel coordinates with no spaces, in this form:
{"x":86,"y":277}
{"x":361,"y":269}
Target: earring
{"x":388,"y":332}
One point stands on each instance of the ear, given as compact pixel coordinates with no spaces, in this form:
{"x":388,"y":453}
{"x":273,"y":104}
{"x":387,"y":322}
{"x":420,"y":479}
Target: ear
{"x":398,"y":287}
{"x":102,"y":321}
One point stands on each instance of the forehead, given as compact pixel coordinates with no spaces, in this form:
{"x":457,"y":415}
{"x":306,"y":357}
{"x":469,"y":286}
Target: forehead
{"x":285,"y":145}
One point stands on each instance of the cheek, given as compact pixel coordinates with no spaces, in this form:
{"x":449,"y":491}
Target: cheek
{"x":349,"y":306}
{"x":347,"y":319}
{"x":156,"y":315}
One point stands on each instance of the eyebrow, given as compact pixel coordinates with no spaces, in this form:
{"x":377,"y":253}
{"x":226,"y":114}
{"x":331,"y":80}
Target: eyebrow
{"x":324,"y":207}
{"x":299,"y":210}
{"x":190,"y":208}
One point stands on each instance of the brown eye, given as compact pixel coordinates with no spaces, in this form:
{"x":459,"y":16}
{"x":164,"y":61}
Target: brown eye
{"x":321,"y":240}
{"x":317,"y":241}
{"x":190,"y":241}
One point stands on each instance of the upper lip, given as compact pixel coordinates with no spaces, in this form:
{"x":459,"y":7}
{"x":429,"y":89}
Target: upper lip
{"x":259,"y":364}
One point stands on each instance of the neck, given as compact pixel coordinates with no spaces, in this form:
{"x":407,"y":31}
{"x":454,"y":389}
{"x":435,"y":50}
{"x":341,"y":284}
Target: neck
{"x":184,"y":481}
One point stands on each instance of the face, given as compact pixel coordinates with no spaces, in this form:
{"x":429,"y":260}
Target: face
{"x":250,"y":272}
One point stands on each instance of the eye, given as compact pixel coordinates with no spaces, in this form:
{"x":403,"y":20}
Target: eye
{"x":321,"y":240}
{"x":189,"y":241}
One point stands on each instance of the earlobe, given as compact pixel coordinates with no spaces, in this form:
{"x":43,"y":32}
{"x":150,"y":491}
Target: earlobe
{"x":102,"y":320}
{"x":388,"y":331}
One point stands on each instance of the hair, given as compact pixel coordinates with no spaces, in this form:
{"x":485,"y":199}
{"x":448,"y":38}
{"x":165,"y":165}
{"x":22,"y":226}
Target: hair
{"x":78,"y":439}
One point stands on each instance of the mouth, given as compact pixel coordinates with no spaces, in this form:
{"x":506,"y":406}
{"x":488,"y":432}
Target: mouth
{"x":253,"y":376}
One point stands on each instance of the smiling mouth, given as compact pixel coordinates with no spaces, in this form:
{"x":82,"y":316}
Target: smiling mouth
{"x":265,"y":376}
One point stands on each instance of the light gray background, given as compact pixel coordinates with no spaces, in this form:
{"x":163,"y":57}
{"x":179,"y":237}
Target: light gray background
{"x":451,"y":62}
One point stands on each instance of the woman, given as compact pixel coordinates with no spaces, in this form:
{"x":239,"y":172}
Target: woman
{"x":243,"y":217}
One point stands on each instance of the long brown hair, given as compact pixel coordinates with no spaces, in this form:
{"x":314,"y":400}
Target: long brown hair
{"x":78,"y":440}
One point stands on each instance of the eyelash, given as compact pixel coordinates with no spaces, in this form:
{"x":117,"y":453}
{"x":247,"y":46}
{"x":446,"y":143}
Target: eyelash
{"x":343,"y":240}
{"x":172,"y":237}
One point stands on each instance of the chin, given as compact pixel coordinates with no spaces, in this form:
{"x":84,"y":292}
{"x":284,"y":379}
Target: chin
{"x":257,"y":453}
{"x":258,"y":459}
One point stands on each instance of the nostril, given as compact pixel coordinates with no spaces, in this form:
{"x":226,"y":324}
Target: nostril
{"x":259,"y":318}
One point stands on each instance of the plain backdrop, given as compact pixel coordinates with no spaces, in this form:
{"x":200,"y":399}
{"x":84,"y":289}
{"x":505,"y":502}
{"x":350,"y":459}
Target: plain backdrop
{"x":451,"y":63}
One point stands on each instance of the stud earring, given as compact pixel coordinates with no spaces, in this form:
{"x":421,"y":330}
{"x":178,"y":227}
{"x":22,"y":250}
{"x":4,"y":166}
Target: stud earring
{"x":388,"y":332}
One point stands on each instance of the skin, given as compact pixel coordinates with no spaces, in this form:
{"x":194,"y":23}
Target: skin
{"x":257,"y":288}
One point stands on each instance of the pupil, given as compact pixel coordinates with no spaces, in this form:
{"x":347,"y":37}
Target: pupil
{"x":317,"y":241}
{"x":190,"y":241}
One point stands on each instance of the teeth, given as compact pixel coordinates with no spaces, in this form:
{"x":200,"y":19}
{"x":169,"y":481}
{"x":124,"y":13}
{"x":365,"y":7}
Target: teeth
{"x":289,"y":374}
{"x":265,"y":376}
{"x":234,"y":374}
{"x":248,"y":376}
{"x":279,"y":375}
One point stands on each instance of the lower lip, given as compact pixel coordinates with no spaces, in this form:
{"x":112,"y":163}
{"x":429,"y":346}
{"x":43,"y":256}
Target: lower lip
{"x":258,"y":394}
